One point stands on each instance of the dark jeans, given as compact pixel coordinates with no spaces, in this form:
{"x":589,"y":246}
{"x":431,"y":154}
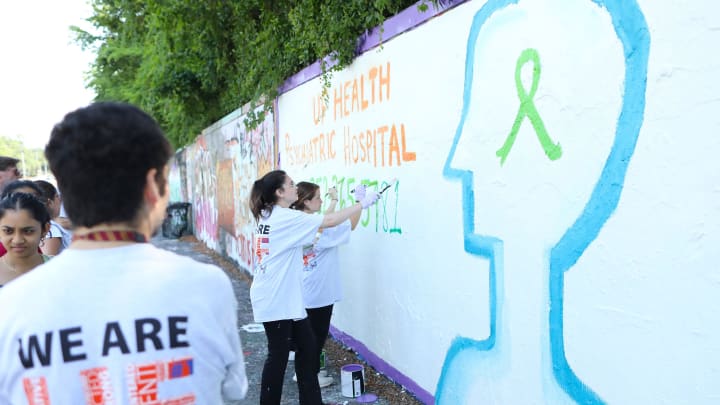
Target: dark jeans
{"x":320,"y":323}
{"x":279,"y":335}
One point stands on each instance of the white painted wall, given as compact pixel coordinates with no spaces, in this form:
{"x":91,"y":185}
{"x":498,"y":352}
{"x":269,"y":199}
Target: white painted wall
{"x":639,"y":303}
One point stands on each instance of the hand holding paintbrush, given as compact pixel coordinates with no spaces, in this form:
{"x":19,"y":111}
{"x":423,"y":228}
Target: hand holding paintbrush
{"x":332,"y":193}
{"x":360,"y":190}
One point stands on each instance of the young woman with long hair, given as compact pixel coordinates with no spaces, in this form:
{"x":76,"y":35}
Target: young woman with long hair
{"x":322,"y":286}
{"x":276,"y":291}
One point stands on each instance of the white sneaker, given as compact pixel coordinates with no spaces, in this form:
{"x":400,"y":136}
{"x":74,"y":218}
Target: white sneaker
{"x":324,"y":381}
{"x":322,"y":373}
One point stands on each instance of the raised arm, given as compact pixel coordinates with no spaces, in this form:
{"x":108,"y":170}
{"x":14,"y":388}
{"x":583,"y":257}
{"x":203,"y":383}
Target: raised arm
{"x":332,"y":193}
{"x":338,"y":217}
{"x":355,"y":218}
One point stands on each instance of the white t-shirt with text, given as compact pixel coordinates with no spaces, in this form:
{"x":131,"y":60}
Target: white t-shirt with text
{"x":124,"y":325}
{"x":276,"y":291}
{"x":321,"y":267}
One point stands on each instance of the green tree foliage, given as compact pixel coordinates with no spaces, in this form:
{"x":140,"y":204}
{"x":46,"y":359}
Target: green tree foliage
{"x":189,"y":63}
{"x":32,"y":161}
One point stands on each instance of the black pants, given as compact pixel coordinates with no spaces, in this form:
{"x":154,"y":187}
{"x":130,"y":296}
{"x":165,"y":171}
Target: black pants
{"x":279,"y":335}
{"x":320,"y":323}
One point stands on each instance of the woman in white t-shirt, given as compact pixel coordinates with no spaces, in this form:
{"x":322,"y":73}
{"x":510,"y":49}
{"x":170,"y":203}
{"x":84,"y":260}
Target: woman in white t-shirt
{"x":276,"y":291}
{"x":321,"y":277}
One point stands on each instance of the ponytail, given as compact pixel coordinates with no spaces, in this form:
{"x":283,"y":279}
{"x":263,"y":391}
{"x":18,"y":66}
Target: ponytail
{"x":306,"y":191}
{"x":262,"y":196}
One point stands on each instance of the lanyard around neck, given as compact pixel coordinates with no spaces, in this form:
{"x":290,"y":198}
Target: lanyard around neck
{"x":112,"y":236}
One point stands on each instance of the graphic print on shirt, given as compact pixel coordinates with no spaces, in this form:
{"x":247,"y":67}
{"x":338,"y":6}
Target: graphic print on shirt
{"x":262,"y":247}
{"x":143,"y":384}
{"x":97,"y":386}
{"x":309,"y":257}
{"x":144,"y":381}
{"x":36,"y":391}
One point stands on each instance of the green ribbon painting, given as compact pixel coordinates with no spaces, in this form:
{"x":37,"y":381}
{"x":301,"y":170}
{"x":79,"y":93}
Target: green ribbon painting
{"x":527,"y":109}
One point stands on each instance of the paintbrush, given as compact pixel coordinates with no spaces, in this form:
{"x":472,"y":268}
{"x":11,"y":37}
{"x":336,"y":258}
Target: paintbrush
{"x":390,"y":184}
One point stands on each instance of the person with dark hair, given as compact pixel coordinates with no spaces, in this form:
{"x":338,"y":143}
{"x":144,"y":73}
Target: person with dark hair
{"x":321,"y":277}
{"x":276,"y":291}
{"x":24,"y":221}
{"x":22,"y":186}
{"x":114,"y":317}
{"x":58,"y":238}
{"x":8,"y":170}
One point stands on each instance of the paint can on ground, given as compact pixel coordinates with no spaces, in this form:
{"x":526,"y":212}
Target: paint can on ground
{"x":352,"y":380}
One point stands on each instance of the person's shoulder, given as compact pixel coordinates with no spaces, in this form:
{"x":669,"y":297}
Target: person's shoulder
{"x":282,"y":212}
{"x":288,"y":216}
{"x":56,"y":230}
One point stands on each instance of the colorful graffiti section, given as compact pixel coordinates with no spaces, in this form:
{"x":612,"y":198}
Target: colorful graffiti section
{"x":221,"y":167}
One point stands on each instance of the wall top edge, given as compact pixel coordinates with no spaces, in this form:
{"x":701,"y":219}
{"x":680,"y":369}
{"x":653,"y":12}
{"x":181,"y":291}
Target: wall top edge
{"x":404,"y":21}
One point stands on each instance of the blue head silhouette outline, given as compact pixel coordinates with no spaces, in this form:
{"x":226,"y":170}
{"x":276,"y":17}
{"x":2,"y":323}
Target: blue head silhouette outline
{"x":630,"y":28}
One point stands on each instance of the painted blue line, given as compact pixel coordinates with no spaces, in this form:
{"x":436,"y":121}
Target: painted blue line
{"x":631,"y":28}
{"x":475,"y":244}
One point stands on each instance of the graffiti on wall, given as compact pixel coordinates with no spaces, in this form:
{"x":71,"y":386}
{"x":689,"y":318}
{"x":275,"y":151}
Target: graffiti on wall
{"x":175,"y":181}
{"x":543,"y":352}
{"x":221,"y":167}
{"x":202,"y":177}
{"x":253,"y":155}
{"x":225,"y":196}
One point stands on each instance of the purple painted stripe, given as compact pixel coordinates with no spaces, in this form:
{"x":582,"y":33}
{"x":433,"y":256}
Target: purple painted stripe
{"x":406,"y":20}
{"x":382,"y":366}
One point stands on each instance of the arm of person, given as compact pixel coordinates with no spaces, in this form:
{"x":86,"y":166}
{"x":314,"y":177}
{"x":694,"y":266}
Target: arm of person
{"x":51,"y":246}
{"x":331,"y":206}
{"x":337,"y":217}
{"x":332,"y":192}
{"x":354,"y":219}
{"x":235,"y":383}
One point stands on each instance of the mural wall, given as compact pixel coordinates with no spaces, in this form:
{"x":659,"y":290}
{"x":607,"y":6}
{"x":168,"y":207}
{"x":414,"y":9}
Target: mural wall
{"x":221,"y":167}
{"x":549,"y":234}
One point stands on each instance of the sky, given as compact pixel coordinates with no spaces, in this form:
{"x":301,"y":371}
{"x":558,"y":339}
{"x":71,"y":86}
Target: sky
{"x":41,"y":70}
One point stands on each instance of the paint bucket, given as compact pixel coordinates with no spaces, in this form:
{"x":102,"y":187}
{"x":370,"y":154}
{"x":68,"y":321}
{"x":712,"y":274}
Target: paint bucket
{"x":352,"y":380}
